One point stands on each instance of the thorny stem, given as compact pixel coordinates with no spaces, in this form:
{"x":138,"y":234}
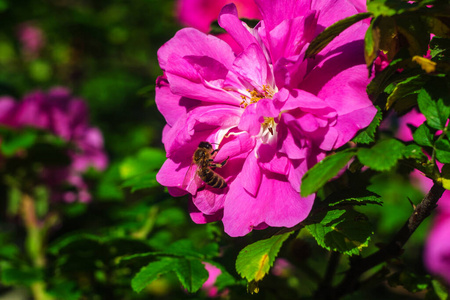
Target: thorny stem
{"x":360,"y":265}
{"x":35,"y":243}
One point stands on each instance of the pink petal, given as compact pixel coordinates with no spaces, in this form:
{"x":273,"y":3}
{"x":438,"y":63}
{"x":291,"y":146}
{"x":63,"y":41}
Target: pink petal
{"x":229,"y":20}
{"x":189,"y":41}
{"x":243,"y":212}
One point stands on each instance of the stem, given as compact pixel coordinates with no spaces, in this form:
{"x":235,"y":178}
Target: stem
{"x":394,"y":248}
{"x":325,"y":286}
{"x":34,"y":244}
{"x":148,"y":225}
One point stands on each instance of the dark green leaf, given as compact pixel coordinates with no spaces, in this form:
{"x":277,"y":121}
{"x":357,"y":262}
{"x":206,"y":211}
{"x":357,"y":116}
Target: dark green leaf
{"x":66,"y":290}
{"x":326,"y":36}
{"x":434,"y":103}
{"x":17,"y":141}
{"x":410,"y":86}
{"x":191,"y":273}
{"x":323,"y":171}
{"x":151,"y":272}
{"x":367,"y":136}
{"x":382,"y":79}
{"x":442,"y":148}
{"x":372,"y":199}
{"x":255,"y":260}
{"x":185,"y":248}
{"x":424,"y":135}
{"x":440,"y":49}
{"x":22,"y":276}
{"x":225,"y":279}
{"x":343,"y":231}
{"x":142,"y":181}
{"x":415,"y":152}
{"x":383,"y":155}
{"x":371,"y":44}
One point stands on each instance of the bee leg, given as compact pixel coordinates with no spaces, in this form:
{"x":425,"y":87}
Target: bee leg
{"x":220,"y":165}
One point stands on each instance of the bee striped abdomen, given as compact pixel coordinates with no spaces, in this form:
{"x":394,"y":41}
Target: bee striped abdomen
{"x":212,"y":179}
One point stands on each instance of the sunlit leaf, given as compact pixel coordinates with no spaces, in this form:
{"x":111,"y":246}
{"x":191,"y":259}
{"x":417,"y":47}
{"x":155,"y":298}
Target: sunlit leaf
{"x":323,"y":171}
{"x":382,"y":156}
{"x":255,"y":260}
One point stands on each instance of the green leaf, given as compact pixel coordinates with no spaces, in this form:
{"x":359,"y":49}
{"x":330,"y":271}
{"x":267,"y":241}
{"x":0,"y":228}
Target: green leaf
{"x":440,"y":49}
{"x":410,"y":86}
{"x":146,"y":160}
{"x":444,"y":178}
{"x":434,"y":103}
{"x":142,"y":181}
{"x":345,"y":231}
{"x":440,"y":290}
{"x":225,"y":279}
{"x":16,"y":141}
{"x":22,"y":276}
{"x":415,"y":152}
{"x":151,"y":272}
{"x":383,"y":155}
{"x":387,"y":7}
{"x":255,"y":260}
{"x":326,"y":36}
{"x":368,"y":135}
{"x":191,"y":273}
{"x":185,"y":248}
{"x":66,"y":290}
{"x":371,"y":44}
{"x":424,"y":135}
{"x":324,"y":170}
{"x":371,"y":199}
{"x":382,"y":80}
{"x":442,"y":148}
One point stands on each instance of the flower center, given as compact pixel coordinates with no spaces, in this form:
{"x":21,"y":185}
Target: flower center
{"x":255,"y":95}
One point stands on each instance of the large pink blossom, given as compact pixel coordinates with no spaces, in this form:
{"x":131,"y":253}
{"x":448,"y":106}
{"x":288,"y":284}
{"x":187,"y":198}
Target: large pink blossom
{"x":437,"y":245}
{"x":272,"y":112}
{"x":67,"y":117}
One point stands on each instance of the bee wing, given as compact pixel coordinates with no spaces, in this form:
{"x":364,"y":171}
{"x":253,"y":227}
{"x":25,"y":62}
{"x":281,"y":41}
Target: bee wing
{"x":192,"y":182}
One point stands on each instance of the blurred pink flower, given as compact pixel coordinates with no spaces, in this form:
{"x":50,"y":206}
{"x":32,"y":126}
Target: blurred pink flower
{"x":31,"y":37}
{"x":208,"y":287}
{"x":282,"y":268}
{"x":67,"y":117}
{"x":200,"y":13}
{"x":272,"y":112}
{"x":437,"y":245}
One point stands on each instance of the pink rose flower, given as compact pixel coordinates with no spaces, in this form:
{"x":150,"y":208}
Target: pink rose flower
{"x":272,"y":113}
{"x":437,"y":245}
{"x":67,"y":117}
{"x":200,"y":13}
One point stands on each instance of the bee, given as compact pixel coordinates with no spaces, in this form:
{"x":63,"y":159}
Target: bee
{"x":203,"y":165}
